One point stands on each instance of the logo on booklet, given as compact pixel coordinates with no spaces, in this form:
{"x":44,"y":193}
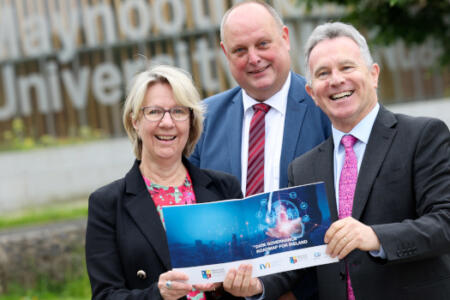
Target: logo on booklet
{"x":206,"y":274}
{"x":297,"y":258}
{"x":264,"y":266}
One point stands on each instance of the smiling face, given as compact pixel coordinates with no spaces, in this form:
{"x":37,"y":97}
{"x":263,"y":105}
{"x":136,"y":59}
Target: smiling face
{"x":257,"y":50}
{"x":166,"y":139}
{"x":342,"y":85}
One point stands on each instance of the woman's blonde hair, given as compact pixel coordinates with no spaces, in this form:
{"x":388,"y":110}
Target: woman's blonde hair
{"x":184,"y":92}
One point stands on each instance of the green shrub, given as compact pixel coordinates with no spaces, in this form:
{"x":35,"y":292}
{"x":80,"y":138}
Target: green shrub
{"x":16,"y":139}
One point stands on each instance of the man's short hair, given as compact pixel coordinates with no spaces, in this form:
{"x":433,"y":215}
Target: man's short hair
{"x":333,"y":30}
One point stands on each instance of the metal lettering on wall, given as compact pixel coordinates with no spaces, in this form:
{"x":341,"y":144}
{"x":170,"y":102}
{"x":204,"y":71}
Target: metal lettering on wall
{"x":66,"y":63}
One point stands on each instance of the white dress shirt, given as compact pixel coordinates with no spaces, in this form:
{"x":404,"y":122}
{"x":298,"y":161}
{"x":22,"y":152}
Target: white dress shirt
{"x":274,"y":121}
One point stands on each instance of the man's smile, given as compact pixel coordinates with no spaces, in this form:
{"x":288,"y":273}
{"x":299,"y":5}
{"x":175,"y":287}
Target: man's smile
{"x":341,"y":95}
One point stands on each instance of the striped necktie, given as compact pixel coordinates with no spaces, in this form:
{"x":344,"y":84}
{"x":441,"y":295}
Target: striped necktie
{"x":256,"y":141}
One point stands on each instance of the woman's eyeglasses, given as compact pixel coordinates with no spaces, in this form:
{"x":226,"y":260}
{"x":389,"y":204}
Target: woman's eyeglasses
{"x":156,"y":113}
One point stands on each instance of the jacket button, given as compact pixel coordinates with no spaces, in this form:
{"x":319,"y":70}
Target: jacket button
{"x":141,"y":274}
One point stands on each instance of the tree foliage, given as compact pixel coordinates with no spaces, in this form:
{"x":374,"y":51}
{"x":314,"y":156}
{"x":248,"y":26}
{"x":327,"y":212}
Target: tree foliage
{"x":414,"y":21}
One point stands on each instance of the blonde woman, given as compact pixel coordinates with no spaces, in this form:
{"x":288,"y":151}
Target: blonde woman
{"x":126,"y":248}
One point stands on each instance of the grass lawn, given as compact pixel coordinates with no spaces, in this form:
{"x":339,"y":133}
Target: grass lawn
{"x":45,"y":214}
{"x":74,"y":289}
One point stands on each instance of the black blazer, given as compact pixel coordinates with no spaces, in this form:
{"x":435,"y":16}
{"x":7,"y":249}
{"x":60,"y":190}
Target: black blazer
{"x":125,"y":234}
{"x":403,"y":192}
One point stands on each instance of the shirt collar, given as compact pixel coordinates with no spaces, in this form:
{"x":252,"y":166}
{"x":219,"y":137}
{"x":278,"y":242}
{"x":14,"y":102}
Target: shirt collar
{"x":361,"y":131}
{"x":277,"y":101}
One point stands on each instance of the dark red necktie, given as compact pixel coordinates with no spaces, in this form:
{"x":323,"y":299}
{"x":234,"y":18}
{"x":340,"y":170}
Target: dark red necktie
{"x":256,"y":141}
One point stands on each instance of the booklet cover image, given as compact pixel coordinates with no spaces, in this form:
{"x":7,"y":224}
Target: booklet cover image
{"x":256,"y":226}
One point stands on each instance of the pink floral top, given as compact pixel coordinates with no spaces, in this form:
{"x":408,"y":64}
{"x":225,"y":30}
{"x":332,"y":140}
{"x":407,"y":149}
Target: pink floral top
{"x":169,"y":195}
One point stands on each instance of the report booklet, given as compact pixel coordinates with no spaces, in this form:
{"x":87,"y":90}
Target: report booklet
{"x":275,"y":232}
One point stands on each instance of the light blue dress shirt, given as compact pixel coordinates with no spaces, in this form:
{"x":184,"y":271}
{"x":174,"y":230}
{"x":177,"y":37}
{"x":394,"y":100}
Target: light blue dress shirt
{"x":362,"y":132}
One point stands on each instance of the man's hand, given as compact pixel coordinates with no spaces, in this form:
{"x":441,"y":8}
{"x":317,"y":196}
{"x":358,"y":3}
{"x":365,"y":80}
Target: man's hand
{"x":348,"y":234}
{"x":240,"y":283}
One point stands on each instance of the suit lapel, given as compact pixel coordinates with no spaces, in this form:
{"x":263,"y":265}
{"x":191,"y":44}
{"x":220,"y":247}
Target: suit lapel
{"x":295,"y":114}
{"x":234,"y":133}
{"x":143,"y":211}
{"x":380,"y":141}
{"x":325,"y":169}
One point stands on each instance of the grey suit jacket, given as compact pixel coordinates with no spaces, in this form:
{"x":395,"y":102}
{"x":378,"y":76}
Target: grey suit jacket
{"x":403,"y":192}
{"x":125,"y":233}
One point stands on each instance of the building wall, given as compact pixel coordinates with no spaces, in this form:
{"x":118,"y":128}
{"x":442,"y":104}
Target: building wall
{"x":31,"y":178}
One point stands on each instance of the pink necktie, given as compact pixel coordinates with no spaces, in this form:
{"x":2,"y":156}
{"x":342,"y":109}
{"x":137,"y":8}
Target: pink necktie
{"x":347,"y":184}
{"x":256,"y":141}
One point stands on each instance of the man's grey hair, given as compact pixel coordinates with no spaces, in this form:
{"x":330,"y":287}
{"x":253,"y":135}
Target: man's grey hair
{"x":270,"y":9}
{"x":333,"y":30}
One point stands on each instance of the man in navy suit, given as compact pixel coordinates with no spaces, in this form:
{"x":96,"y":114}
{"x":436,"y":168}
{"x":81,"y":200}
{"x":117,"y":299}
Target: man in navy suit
{"x":256,"y":44}
{"x":393,"y":237}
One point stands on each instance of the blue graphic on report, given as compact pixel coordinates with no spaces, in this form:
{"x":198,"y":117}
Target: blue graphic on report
{"x":257,"y":226}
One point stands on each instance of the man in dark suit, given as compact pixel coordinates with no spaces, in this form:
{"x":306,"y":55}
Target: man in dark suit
{"x":256,"y":44}
{"x":394,"y":237}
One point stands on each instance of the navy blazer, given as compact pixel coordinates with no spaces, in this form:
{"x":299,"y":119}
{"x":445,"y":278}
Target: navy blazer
{"x":125,"y":233}
{"x":219,"y":147}
{"x":403,"y":193}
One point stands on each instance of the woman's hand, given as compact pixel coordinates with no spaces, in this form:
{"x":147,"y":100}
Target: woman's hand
{"x":172,"y":285}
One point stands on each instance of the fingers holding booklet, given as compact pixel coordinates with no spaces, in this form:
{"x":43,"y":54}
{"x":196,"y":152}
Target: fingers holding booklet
{"x":240,"y":283}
